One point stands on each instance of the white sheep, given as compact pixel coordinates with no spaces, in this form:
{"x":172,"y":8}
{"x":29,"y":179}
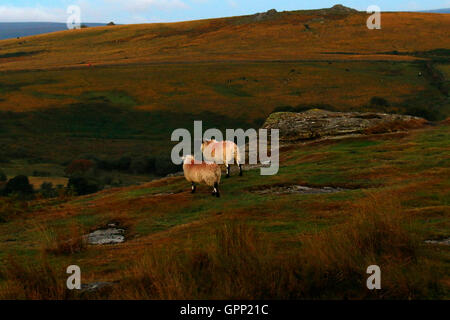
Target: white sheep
{"x":223,"y":152}
{"x":202,"y":173}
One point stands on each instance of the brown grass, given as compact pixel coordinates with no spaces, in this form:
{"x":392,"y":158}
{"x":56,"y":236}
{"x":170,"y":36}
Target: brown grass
{"x":59,"y":243}
{"x":38,"y":181}
{"x":222,"y":270}
{"x":374,"y":235}
{"x":237,"y":39}
{"x":394,"y":126}
{"x":11,"y":207}
{"x":32,"y":281}
{"x":241,"y":264}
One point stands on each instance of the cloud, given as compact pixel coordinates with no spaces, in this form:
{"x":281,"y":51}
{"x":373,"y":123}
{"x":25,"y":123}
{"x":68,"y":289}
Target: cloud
{"x":27,"y":14}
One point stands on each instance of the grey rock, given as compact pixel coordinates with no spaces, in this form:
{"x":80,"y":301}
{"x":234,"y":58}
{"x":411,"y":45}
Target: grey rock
{"x":265,"y":15}
{"x":298,"y":189}
{"x":107,"y":236}
{"x":317,"y":123}
{"x":176,"y":174}
{"x":95,"y":286}
{"x":340,"y":9}
{"x":445,"y":242}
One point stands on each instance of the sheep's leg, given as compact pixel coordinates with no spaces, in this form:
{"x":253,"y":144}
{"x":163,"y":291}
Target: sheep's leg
{"x":216,"y":190}
{"x":240,"y":167}
{"x":228,"y":169}
{"x":194,"y":187}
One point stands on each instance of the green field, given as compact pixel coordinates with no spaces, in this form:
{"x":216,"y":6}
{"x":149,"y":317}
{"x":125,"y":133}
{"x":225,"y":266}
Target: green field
{"x":98,"y":106}
{"x":400,"y":175}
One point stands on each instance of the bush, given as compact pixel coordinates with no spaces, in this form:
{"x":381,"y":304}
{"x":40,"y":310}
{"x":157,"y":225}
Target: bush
{"x":82,"y":186}
{"x":139,"y":166}
{"x":160,"y":166}
{"x":424,"y":112}
{"x":47,"y":190}
{"x":3,"y":177}
{"x":69,"y":241}
{"x":79,"y":166}
{"x":165,"y":166}
{"x":20,"y":185}
{"x":123,"y":164}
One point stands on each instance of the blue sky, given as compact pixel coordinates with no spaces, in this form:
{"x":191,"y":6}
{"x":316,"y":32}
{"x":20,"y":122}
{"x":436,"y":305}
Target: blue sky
{"x":140,"y":11}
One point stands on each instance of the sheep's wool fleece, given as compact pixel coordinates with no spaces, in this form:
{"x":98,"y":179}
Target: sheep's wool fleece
{"x":204,"y":173}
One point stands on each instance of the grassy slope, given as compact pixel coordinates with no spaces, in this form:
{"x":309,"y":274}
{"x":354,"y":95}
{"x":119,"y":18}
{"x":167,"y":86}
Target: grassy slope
{"x":147,"y":80}
{"x":411,"y":169}
{"x":238,"y":38}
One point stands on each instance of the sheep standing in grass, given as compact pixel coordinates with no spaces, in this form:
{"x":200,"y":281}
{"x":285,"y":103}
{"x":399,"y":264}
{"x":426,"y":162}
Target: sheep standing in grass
{"x":202,"y":173}
{"x":223,"y":152}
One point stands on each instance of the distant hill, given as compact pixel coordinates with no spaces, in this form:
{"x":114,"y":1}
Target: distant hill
{"x":446,"y":10}
{"x":10,"y":30}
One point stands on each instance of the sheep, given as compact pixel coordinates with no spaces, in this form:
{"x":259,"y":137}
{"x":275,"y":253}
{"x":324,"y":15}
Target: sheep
{"x":202,"y":173}
{"x":222,"y":152}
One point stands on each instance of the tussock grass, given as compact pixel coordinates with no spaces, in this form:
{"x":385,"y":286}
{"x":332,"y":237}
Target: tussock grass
{"x":32,"y":281}
{"x":63,"y":243}
{"x":242,"y":264}
{"x":376,"y":234}
{"x":11,"y":207}
{"x":235,"y":258}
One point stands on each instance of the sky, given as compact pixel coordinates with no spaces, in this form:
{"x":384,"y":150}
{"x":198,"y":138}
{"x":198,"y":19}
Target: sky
{"x":147,"y":11}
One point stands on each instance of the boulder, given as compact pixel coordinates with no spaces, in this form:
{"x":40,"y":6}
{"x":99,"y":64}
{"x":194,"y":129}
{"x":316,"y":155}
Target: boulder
{"x":266,"y":15}
{"x":106,"y":236}
{"x":317,"y":123}
{"x":340,"y":9}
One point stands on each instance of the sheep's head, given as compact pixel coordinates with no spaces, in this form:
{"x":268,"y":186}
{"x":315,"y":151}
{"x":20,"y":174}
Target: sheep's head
{"x":189,"y":159}
{"x":207,"y":142}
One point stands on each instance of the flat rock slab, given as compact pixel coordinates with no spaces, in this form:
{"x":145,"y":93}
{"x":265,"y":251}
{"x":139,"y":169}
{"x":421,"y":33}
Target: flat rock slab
{"x":95,"y":286}
{"x":317,"y":123}
{"x":107,"y":236}
{"x":445,"y":242}
{"x":299,"y":189}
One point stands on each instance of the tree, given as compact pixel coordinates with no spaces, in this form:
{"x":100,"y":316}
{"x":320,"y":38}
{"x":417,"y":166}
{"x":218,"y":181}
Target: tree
{"x":2,"y":176}
{"x":80,"y":166}
{"x":48,"y":191}
{"x":19,"y":184}
{"x":83,"y":186}
{"x":123,"y":164}
{"x":165,"y":166}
